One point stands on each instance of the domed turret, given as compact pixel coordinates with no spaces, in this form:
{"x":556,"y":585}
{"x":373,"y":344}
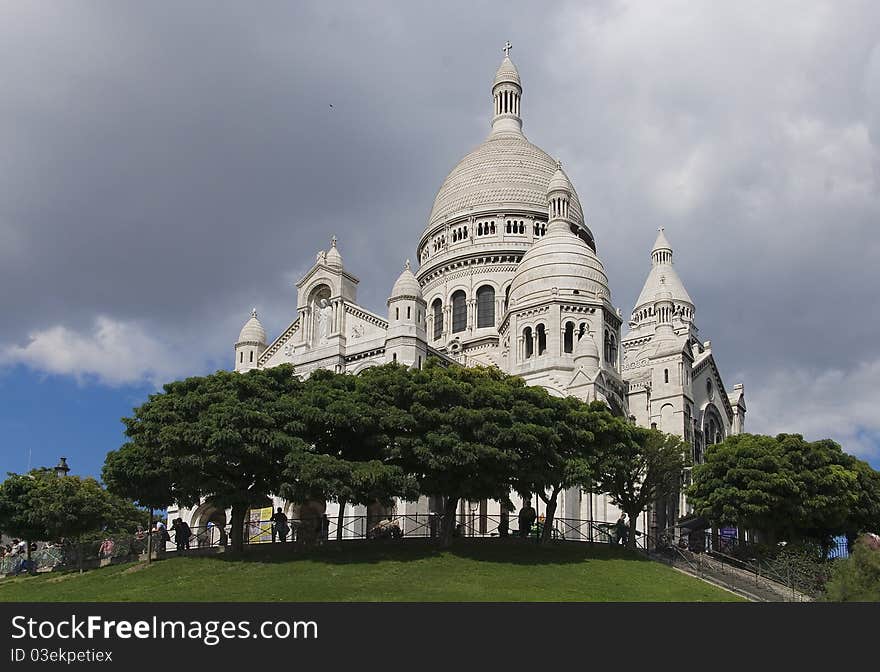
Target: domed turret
{"x":333,"y":258}
{"x":406,"y":284}
{"x":406,"y":340}
{"x":252,"y":331}
{"x":560,"y":261}
{"x":586,"y":354}
{"x":251,"y":343}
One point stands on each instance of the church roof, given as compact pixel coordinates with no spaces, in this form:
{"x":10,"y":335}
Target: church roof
{"x":505,"y":173}
{"x":507,"y":72}
{"x":252,"y":331}
{"x":559,"y":181}
{"x":406,"y":284}
{"x":662,"y":280}
{"x":333,"y":257}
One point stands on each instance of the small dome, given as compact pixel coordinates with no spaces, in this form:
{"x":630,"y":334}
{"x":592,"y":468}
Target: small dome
{"x":406,"y":284}
{"x":252,"y":331}
{"x":586,"y":353}
{"x":559,"y":181}
{"x":507,"y":72}
{"x":333,"y":257}
{"x":559,"y":261}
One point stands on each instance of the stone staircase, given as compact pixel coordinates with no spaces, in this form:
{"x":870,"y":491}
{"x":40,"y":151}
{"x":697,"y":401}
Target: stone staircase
{"x":743,"y":581}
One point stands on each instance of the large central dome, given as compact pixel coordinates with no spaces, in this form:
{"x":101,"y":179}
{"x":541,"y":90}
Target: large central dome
{"x":506,"y":171}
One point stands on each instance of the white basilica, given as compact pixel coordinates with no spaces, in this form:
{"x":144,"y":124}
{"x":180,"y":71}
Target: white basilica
{"x":509,"y":276}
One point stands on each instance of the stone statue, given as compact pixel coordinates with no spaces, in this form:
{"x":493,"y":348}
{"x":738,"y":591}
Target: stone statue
{"x":325,"y":316}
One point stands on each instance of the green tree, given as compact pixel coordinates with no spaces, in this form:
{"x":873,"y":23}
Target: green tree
{"x":40,"y":506}
{"x":223,"y":437}
{"x":786,"y":488}
{"x":560,"y":443}
{"x":347,"y":458}
{"x":641,"y":467}
{"x":455,"y":433}
{"x":856,"y":578}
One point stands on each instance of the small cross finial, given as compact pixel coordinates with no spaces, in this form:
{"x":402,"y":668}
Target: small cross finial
{"x":507,"y":47}
{"x":558,"y":164}
{"x":254,"y":312}
{"x":333,"y":241}
{"x":406,"y":265}
{"x":661,"y":229}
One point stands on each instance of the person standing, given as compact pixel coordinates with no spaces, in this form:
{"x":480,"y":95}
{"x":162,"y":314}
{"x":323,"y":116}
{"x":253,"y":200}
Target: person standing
{"x":280,"y":526}
{"x":527,"y":517}
{"x":622,"y":529}
{"x":325,"y":527}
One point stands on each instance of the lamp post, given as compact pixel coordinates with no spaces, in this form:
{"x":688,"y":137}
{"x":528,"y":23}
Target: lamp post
{"x":61,"y":469}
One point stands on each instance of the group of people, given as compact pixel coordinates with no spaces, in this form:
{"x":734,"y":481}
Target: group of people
{"x":17,"y":551}
{"x":182,"y":534}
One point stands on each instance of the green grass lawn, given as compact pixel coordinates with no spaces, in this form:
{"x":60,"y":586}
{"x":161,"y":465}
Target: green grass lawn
{"x":470,"y":572}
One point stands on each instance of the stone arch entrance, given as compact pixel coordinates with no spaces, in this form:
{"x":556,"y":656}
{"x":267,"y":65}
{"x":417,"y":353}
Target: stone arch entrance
{"x":208,"y":525}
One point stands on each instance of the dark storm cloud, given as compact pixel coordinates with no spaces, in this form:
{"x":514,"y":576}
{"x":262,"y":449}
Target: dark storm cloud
{"x":166,"y":167}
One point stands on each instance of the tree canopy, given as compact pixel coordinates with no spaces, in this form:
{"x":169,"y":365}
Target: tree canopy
{"x":641,"y":467}
{"x":344,"y":456}
{"x":222,"y":437}
{"x":786,"y":488}
{"x":40,"y":506}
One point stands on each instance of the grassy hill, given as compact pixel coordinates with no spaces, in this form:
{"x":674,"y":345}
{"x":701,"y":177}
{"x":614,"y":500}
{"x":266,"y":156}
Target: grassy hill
{"x":471,"y":572}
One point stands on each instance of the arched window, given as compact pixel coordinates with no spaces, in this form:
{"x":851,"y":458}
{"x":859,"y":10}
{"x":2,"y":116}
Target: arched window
{"x":542,"y":339}
{"x":528,"y":345}
{"x":610,"y":348}
{"x":437,"y":308}
{"x":459,"y":312}
{"x":252,"y":355}
{"x":486,"y":306}
{"x":408,"y":312}
{"x":582,"y":329}
{"x":665,"y":375}
{"x":241,"y":357}
{"x":506,"y":297}
{"x":397,"y":313}
{"x":568,"y":338}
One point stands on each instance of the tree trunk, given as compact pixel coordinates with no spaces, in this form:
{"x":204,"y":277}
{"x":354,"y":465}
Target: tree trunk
{"x":633,"y":521}
{"x":340,"y":519}
{"x":150,"y":539}
{"x":237,"y":532}
{"x":30,"y":564}
{"x":448,"y":525}
{"x":551,"y":503}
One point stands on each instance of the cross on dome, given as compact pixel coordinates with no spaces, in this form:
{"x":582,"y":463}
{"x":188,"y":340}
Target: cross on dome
{"x":254,"y":312}
{"x":507,"y":48}
{"x":333,"y":241}
{"x":407,"y":266}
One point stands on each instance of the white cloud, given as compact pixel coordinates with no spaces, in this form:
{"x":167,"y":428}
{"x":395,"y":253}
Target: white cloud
{"x":114,"y":353}
{"x":833,"y":403}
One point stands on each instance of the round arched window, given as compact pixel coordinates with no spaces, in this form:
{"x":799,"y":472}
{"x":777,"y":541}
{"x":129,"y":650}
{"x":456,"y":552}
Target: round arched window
{"x":710,"y":391}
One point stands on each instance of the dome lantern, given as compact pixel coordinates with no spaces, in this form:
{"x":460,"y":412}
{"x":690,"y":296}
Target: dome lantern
{"x":506,"y":97}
